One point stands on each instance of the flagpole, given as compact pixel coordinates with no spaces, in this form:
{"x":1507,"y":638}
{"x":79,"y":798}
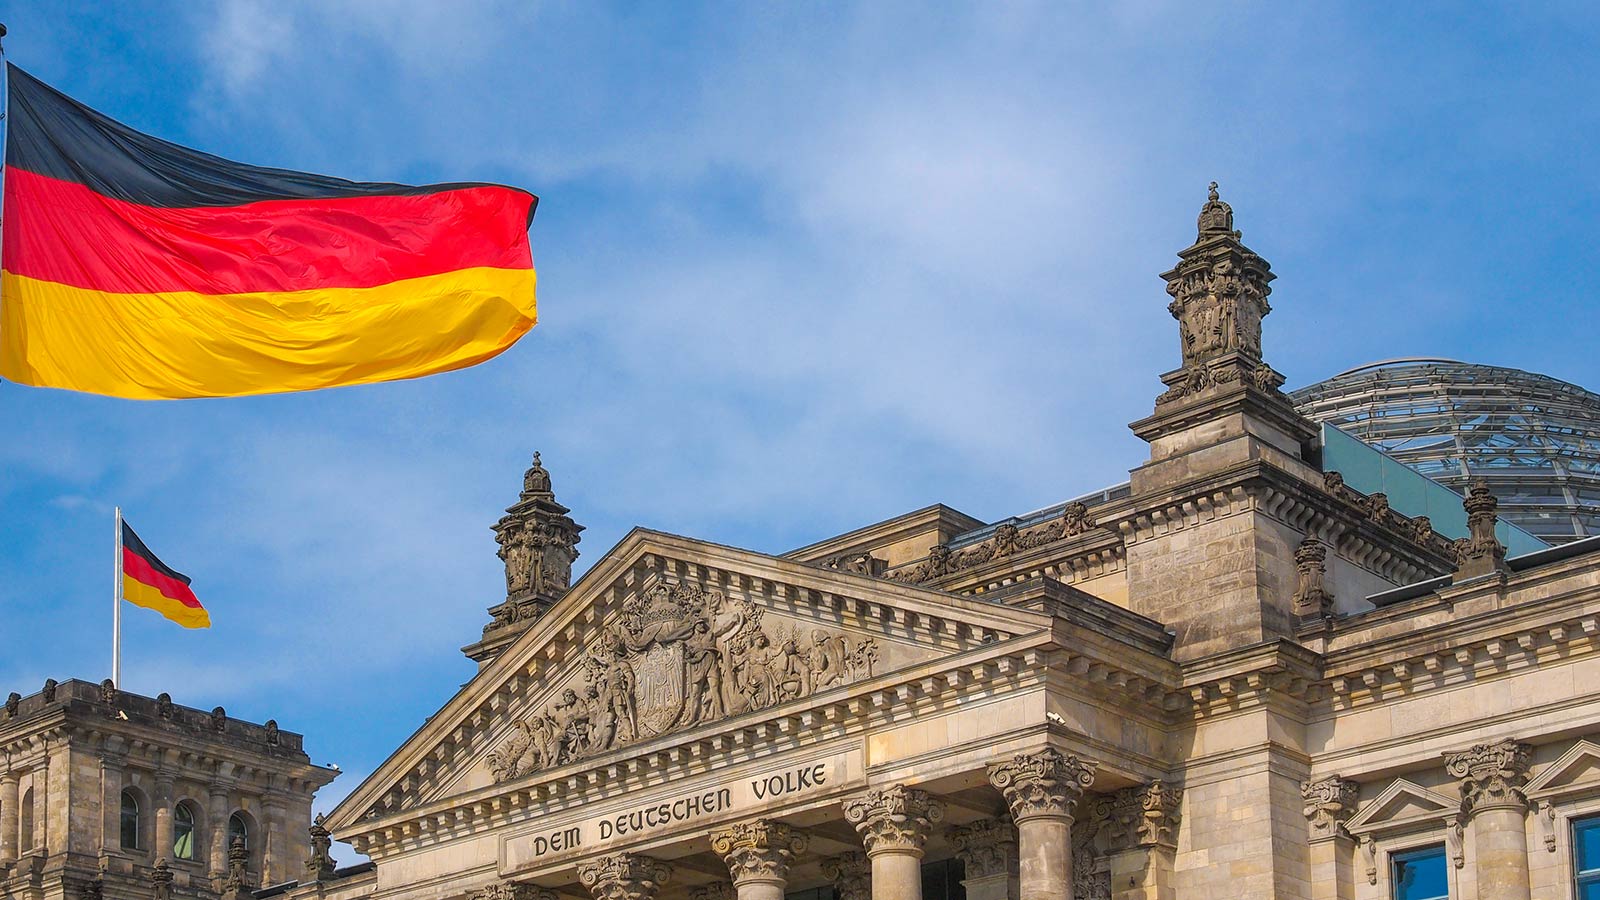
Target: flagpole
{"x":116,"y":611}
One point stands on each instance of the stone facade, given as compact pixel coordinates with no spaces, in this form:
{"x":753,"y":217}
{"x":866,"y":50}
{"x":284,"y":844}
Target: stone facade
{"x":1238,"y":677}
{"x":106,"y":795}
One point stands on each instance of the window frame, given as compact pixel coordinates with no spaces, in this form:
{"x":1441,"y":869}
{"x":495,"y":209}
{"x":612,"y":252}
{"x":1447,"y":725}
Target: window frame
{"x":192,"y":810}
{"x":127,"y":796}
{"x":1398,"y":856}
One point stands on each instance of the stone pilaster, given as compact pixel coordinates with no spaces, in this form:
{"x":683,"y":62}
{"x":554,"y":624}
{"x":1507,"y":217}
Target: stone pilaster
{"x":41,"y":807}
{"x":894,"y":824}
{"x":1141,"y":824}
{"x":987,"y":849}
{"x":1042,"y":789}
{"x":513,"y":890}
{"x":161,"y":799}
{"x":758,"y":855}
{"x":1330,"y":802}
{"x":8,"y":818}
{"x":624,"y":876}
{"x":1494,"y":806}
{"x":851,"y":874}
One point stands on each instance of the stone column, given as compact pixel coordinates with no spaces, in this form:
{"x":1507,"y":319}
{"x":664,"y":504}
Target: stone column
{"x":1144,"y":840}
{"x":1042,"y":790}
{"x":758,"y":855}
{"x":1492,"y":802}
{"x":624,"y":876}
{"x":41,"y":807}
{"x":1330,"y":802}
{"x":8,"y":817}
{"x":217,"y":822}
{"x":988,"y":852}
{"x":894,"y":824}
{"x":161,"y":843}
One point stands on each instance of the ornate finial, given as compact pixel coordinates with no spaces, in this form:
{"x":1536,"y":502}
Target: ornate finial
{"x":536,"y":481}
{"x":161,"y":880}
{"x":1216,"y":217}
{"x":1481,"y":552}
{"x":320,"y":866}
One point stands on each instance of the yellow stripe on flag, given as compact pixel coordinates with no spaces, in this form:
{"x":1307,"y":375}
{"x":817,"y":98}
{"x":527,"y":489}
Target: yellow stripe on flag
{"x":184,"y":344}
{"x":140,"y":594}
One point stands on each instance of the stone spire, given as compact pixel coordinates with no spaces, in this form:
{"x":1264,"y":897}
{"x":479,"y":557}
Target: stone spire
{"x":538,"y":544}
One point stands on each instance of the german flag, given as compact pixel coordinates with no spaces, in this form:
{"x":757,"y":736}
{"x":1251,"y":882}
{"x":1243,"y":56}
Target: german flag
{"x":133,"y":267}
{"x":152,"y":584}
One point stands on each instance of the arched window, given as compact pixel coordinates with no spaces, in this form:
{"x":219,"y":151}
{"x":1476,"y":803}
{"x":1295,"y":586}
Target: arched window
{"x":25,"y":817}
{"x":183,"y":831}
{"x":130,"y":821}
{"x":238,"y":830}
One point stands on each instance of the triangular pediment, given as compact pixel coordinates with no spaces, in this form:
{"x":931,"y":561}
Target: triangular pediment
{"x":667,"y":638}
{"x":1578,"y":770}
{"x":1402,"y":805}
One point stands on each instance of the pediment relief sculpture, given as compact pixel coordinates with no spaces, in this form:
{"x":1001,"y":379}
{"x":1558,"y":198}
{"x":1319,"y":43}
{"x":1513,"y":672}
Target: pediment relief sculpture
{"x":676,"y":658}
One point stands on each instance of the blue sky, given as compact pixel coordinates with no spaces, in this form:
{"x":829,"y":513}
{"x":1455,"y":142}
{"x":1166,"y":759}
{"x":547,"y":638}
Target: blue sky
{"x":801,"y":268}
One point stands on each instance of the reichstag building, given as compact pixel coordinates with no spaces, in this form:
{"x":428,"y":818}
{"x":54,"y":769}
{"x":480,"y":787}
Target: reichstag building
{"x":1243,"y":674}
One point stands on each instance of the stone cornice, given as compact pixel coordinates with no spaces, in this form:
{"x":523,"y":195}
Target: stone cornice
{"x":935,"y":518}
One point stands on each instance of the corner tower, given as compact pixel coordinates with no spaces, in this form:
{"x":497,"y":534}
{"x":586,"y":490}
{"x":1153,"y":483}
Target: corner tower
{"x":538,"y":544}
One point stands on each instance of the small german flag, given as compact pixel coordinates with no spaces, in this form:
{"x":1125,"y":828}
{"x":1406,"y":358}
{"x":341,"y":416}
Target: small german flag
{"x":152,"y":584}
{"x":134,"y":267}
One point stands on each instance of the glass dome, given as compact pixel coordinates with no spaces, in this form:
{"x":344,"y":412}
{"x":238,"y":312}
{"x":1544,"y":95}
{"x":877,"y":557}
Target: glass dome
{"x":1534,"y":438}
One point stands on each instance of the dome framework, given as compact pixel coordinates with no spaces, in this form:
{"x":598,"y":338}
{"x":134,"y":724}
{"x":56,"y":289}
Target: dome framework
{"x":1535,"y":439}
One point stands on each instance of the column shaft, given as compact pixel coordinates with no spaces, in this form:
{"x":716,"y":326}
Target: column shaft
{"x":896,"y":875}
{"x":161,"y":841}
{"x":217,"y":822}
{"x":8,"y":817}
{"x":1044,"y":857}
{"x":1500,"y":839}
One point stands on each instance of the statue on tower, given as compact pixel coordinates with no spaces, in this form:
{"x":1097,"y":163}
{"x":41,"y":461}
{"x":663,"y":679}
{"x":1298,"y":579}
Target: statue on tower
{"x":538,"y":543}
{"x":1219,"y":296}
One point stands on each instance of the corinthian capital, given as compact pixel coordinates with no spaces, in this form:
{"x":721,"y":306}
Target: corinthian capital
{"x":758,"y":851}
{"x":511,"y":890}
{"x":895,"y":818}
{"x":1492,"y":775}
{"x":624,"y":876}
{"x":1330,"y":802}
{"x":986,"y":847}
{"x":851,"y":875}
{"x":1047,"y":783}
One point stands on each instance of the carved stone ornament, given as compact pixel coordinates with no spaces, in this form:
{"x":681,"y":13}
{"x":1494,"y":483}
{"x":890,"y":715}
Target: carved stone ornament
{"x":758,"y":851}
{"x":219,"y":719}
{"x":1481,"y":551}
{"x":986,"y":847}
{"x":1492,"y":775}
{"x":1311,"y":596}
{"x":320,"y":865}
{"x":235,"y":885}
{"x":512,"y":890}
{"x":272,"y":732}
{"x":164,"y":705}
{"x":679,"y":657}
{"x":1008,"y":540}
{"x":1047,"y":783}
{"x":851,"y":874}
{"x":1219,"y":297}
{"x":13,"y":703}
{"x":50,"y":690}
{"x":624,"y":876}
{"x":161,"y":880}
{"x":894,"y":819}
{"x":859,"y":564}
{"x":538,"y":541}
{"x":1330,"y":802}
{"x":716,"y":890}
{"x":93,"y":889}
{"x":1155,"y":808}
{"x":1094,"y":829}
{"x":108,"y":691}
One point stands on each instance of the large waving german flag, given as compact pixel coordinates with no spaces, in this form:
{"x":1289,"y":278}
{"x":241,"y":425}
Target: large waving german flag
{"x":152,"y":584}
{"x":134,"y":267}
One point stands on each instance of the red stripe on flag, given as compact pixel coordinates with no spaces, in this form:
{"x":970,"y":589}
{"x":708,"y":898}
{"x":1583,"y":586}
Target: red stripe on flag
{"x":139,"y":569}
{"x":66,"y":233}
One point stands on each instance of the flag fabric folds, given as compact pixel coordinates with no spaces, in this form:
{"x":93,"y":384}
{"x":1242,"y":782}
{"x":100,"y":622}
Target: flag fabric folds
{"x":152,"y":584}
{"x":134,"y":267}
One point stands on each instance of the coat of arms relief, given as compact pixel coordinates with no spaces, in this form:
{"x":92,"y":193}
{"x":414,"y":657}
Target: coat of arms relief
{"x":678,"y":657}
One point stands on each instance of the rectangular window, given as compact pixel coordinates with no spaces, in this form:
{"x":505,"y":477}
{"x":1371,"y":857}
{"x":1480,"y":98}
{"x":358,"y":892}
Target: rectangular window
{"x":1586,"y":856}
{"x":1420,"y":874}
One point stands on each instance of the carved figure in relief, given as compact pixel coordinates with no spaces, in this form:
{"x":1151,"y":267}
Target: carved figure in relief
{"x":679,"y":657}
